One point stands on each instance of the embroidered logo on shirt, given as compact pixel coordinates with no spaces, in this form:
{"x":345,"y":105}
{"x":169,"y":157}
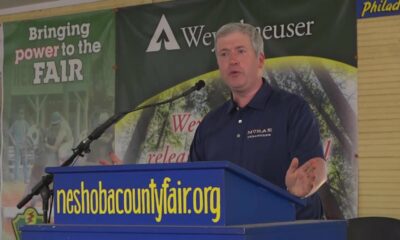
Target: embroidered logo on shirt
{"x":259,"y":132}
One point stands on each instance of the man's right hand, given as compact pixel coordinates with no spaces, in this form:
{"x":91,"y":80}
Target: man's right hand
{"x":115,"y":160}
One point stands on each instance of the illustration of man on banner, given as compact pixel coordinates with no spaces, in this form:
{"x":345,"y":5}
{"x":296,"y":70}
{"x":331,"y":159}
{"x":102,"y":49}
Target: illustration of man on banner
{"x":18,"y":134}
{"x":59,"y":138}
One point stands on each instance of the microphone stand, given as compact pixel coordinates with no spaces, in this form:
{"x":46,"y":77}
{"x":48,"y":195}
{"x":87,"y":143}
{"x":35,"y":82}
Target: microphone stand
{"x":42,"y":187}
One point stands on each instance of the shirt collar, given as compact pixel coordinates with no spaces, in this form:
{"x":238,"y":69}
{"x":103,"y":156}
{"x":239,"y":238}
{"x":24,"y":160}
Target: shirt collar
{"x":259,"y":100}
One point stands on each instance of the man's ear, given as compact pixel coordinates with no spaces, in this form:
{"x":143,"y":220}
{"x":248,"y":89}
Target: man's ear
{"x":261,"y":58}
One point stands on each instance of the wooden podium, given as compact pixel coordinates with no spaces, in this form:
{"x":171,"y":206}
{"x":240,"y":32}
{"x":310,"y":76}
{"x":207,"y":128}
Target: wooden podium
{"x":202,"y":200}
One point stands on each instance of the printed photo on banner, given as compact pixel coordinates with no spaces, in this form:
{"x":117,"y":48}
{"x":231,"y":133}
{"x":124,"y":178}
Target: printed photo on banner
{"x":59,"y":85}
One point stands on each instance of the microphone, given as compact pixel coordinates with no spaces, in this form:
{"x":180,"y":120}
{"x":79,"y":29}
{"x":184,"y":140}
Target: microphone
{"x":116,"y":117}
{"x":198,"y":86}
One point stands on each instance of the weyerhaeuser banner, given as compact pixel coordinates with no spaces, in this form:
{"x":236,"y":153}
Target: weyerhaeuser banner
{"x":163,"y":49}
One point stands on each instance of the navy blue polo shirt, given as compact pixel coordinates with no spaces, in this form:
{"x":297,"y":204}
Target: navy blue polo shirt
{"x":262,"y":137}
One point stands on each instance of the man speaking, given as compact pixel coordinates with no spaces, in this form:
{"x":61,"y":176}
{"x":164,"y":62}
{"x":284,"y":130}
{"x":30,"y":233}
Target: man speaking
{"x":269,"y":132}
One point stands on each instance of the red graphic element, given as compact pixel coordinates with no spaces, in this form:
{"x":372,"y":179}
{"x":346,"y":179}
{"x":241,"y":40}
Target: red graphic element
{"x":327,"y":148}
{"x":167,"y":155}
{"x":35,"y":53}
{"x":30,"y":217}
{"x":184,"y":122}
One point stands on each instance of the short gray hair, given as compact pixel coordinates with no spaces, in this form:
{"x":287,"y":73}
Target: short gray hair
{"x":247,"y":29}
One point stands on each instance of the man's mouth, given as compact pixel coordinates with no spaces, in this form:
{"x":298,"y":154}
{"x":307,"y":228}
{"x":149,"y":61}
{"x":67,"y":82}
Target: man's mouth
{"x":234,"y":73}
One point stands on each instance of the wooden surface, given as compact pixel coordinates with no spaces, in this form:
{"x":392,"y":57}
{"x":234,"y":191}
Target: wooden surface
{"x":379,"y":116}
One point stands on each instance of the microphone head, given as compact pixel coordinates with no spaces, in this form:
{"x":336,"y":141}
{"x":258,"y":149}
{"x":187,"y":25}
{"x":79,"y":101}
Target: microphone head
{"x":199,"y":85}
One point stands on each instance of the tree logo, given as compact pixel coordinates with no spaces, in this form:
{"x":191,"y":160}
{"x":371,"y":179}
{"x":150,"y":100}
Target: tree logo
{"x":163,"y":35}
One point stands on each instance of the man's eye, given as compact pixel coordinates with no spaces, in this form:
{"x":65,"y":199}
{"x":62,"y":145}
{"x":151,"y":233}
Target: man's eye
{"x":223,"y":54}
{"x":242,"y":51}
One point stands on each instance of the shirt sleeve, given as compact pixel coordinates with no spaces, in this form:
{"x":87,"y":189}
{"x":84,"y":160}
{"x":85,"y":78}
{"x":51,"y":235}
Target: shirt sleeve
{"x":196,"y":152}
{"x":303,"y":133}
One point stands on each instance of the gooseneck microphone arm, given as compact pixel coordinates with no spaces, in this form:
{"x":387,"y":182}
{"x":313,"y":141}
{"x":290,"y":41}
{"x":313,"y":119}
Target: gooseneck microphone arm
{"x":112,"y":120}
{"x":84,"y":146}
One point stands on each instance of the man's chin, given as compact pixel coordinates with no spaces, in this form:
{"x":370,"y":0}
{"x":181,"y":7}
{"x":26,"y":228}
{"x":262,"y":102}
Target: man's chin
{"x":237,"y":87}
{"x":235,"y":83}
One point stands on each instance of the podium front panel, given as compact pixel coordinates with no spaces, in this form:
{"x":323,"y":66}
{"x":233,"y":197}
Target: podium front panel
{"x":202,"y":193}
{"x":143,"y":198}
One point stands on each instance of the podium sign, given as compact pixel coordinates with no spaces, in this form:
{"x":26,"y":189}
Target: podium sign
{"x":201,"y":193}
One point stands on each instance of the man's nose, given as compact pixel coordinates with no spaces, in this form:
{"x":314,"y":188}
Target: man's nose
{"x":233,"y":59}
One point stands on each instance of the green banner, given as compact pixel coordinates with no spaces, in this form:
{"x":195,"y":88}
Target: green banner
{"x":310,"y":47}
{"x":161,"y":45}
{"x":58,"y":85}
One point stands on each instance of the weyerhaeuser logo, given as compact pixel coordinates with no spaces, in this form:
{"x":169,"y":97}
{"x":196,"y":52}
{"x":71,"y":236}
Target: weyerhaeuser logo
{"x":166,"y":37}
{"x":169,"y":41}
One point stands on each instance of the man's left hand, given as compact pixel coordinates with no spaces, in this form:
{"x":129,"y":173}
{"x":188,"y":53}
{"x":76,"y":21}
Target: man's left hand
{"x":303,"y":181}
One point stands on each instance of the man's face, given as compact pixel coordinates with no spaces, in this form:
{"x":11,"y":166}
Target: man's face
{"x":238,"y":63}
{"x":21,"y":114}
